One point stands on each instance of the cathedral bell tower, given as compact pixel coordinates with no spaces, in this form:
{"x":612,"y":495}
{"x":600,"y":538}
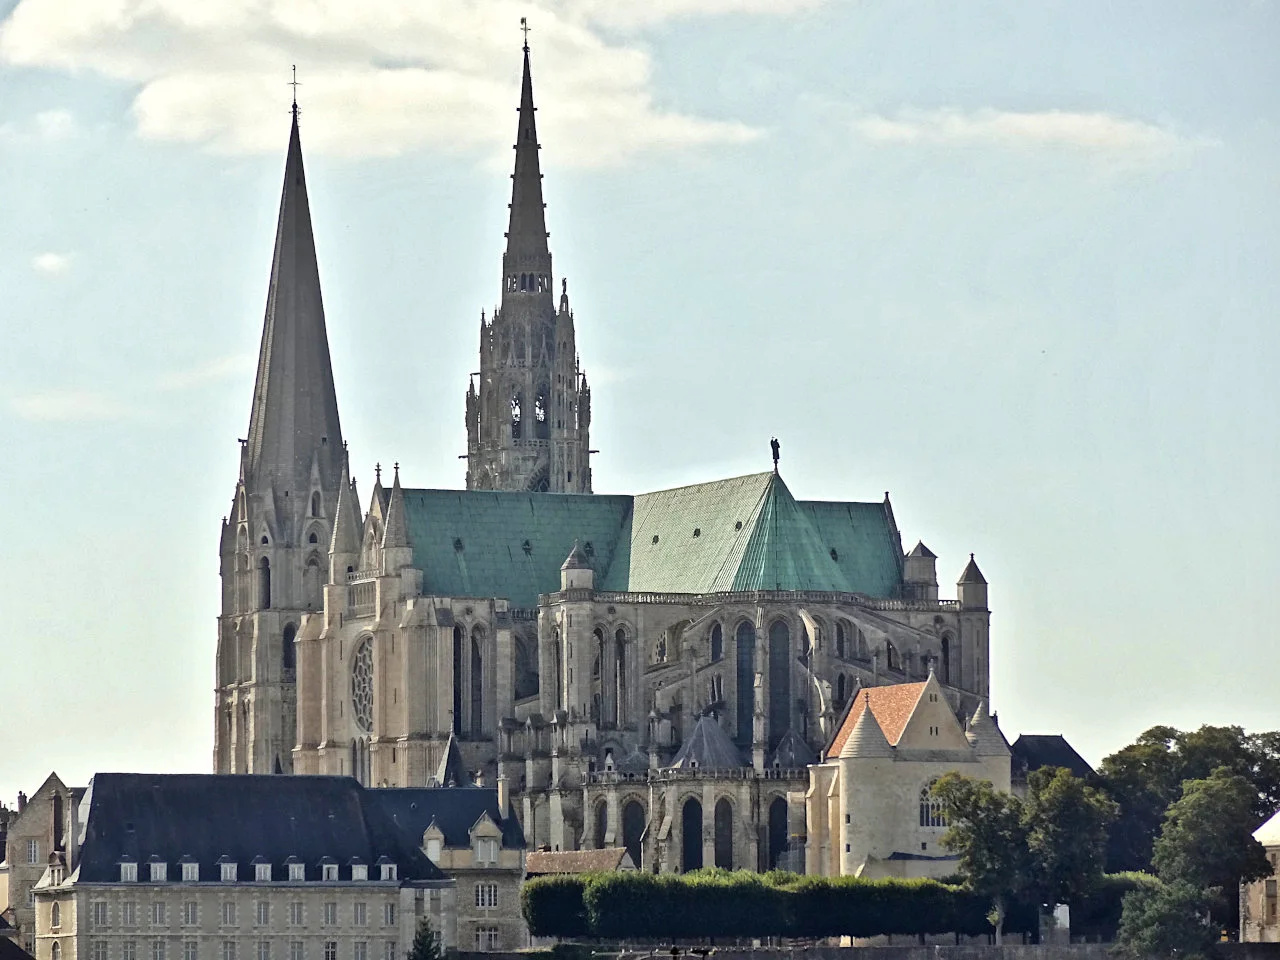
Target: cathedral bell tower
{"x":275,"y":543}
{"x":528,"y":421}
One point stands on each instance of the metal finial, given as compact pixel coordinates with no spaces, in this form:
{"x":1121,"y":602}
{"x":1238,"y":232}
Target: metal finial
{"x":294,"y":83}
{"x":397,"y":470}
{"x":524,"y":27}
{"x":377,"y":472}
{"x":777,"y":448}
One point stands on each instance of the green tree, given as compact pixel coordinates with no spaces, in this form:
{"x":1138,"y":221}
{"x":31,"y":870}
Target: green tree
{"x":1207,"y":841}
{"x":1165,"y":920}
{"x":1066,"y":824}
{"x":426,"y":943}
{"x":987,"y":833}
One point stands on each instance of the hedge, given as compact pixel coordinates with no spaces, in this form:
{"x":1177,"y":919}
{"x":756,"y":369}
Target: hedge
{"x":644,"y":906}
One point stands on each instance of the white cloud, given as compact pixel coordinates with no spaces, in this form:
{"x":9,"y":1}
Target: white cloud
{"x":378,"y":77}
{"x":46,"y":125}
{"x":51,"y":262}
{"x":222,"y":368}
{"x":67,"y":406}
{"x":1101,"y":133}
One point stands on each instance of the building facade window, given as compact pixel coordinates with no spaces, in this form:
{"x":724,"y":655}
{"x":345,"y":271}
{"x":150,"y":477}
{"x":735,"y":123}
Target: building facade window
{"x":360,"y":950}
{"x":295,"y":913}
{"x":55,"y":915}
{"x":98,"y":913}
{"x":389,"y":950}
{"x":228,"y":950}
{"x":330,"y":871}
{"x":360,"y":913}
{"x":56,"y":951}
{"x":389,"y":914}
{"x":932,"y":813}
{"x":262,"y":872}
{"x":486,"y":894}
{"x":359,"y":871}
{"x":331,"y":950}
{"x":129,"y":950}
{"x":330,"y":914}
{"x":486,"y":939}
{"x":190,"y":872}
{"x":228,"y":914}
{"x":98,"y":950}
{"x":388,"y":871}
{"x":264,"y":950}
{"x":228,"y":872}
{"x":159,"y":872}
{"x":296,"y":950}
{"x":158,"y":914}
{"x":128,"y":914}
{"x":157,"y":950}
{"x":262,"y":914}
{"x":190,"y":914}
{"x":33,"y":851}
{"x":128,"y":872}
{"x":297,"y":871}
{"x":190,"y":950}
{"x":486,"y":850}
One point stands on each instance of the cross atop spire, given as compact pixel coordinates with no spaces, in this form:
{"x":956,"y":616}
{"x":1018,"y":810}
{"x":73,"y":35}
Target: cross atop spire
{"x":294,"y":83}
{"x":524,"y":28}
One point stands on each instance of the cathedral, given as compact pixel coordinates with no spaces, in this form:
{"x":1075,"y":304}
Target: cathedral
{"x":667,"y":671}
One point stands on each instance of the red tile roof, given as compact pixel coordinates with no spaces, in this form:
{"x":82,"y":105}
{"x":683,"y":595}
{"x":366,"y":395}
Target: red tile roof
{"x":891,"y":707}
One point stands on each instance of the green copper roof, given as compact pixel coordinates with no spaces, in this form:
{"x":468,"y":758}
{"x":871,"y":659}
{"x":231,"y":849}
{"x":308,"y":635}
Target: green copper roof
{"x":744,"y":533}
{"x":474,"y":543}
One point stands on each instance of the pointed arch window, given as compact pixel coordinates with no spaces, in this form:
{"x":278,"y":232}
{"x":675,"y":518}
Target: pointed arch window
{"x":516,"y":425}
{"x":264,"y":584}
{"x":840,"y":639}
{"x":477,"y":681}
{"x":542,"y":426}
{"x":932,"y":813}
{"x":287,"y":658}
{"x":717,"y":643}
{"x":458,"y":637}
{"x":315,"y":504}
{"x":891,"y":656}
{"x":945,"y":665}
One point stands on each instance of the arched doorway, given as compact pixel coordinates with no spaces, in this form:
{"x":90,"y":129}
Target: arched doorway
{"x":777,"y":830}
{"x":724,"y":834}
{"x":633,"y":830}
{"x":691,"y":836}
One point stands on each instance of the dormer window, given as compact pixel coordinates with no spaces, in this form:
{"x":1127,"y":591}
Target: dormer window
{"x":262,"y":872}
{"x":190,"y":872}
{"x":359,"y":871}
{"x":388,"y":871}
{"x":297,"y":871}
{"x":434,"y":850}
{"x":128,"y":872}
{"x":329,"y":871}
{"x":228,"y":870}
{"x":159,"y":871}
{"x":486,"y":850}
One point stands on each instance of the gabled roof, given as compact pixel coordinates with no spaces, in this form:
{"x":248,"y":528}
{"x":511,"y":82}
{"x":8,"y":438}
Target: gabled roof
{"x":1032,"y":751}
{"x":211,"y":816}
{"x":891,"y":706}
{"x":792,"y":753}
{"x":708,"y":747}
{"x":743,"y":533}
{"x":541,"y":863}
{"x":453,"y":810}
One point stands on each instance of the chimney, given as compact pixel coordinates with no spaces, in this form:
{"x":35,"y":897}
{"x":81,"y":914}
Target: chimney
{"x":22,"y":801}
{"x":504,"y":797}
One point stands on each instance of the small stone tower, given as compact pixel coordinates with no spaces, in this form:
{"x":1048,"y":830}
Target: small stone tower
{"x":275,"y":543}
{"x":528,"y":422}
{"x":920,"y":574}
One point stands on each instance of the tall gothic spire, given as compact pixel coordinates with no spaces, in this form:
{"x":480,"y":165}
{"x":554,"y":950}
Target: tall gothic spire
{"x":295,"y":407}
{"x":527,"y":229}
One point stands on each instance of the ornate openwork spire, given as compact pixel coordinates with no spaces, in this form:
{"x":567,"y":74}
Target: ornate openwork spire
{"x":527,"y":251}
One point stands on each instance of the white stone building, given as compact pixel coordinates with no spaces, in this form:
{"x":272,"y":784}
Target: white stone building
{"x":1260,"y":900}
{"x":570,"y":643}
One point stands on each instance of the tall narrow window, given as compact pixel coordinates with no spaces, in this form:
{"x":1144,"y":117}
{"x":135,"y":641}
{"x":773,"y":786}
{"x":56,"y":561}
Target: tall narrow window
{"x":633,"y":830}
{"x":515,"y":417}
{"x":724,"y":834}
{"x":287,"y":660}
{"x":542,"y":426}
{"x":746,"y":692}
{"x":264,"y":583}
{"x":779,"y":680}
{"x":891,"y":656}
{"x":777,"y":831}
{"x":840,"y":639}
{"x":691,"y":836}
{"x":946,"y":660}
{"x":620,"y":673}
{"x":477,"y":682}
{"x":315,"y":504}
{"x":457,"y":679}
{"x":717,"y":643}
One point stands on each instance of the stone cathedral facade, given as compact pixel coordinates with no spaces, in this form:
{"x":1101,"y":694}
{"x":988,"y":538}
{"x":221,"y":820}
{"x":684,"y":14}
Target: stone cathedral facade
{"x":658,"y":671}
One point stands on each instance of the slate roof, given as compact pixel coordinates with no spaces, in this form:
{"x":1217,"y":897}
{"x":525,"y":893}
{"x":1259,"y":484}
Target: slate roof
{"x":891,"y":707}
{"x":210,"y":816}
{"x":708,"y":748}
{"x":9,"y":950}
{"x":454,"y":810}
{"x":451,"y":771}
{"x":743,"y":533}
{"x":971,"y":573}
{"x":792,"y":753}
{"x":542,"y":862}
{"x":1032,"y":751}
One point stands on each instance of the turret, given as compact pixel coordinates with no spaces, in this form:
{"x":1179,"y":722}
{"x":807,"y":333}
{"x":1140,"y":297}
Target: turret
{"x":397,"y":551}
{"x":920,"y":573}
{"x":575,"y":572}
{"x":971,"y":588}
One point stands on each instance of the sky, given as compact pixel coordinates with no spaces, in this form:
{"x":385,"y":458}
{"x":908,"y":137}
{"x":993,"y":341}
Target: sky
{"x":1014,"y":263}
